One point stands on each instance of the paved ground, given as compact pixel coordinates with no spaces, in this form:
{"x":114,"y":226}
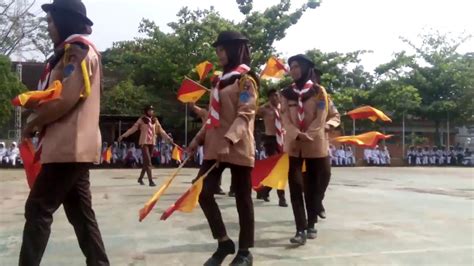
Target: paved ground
{"x":376,"y":216}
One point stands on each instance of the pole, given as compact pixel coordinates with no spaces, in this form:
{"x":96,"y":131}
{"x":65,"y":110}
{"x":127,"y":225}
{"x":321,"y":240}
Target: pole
{"x":19,"y":71}
{"x":447,"y":132}
{"x":403,"y":135}
{"x":186,"y":125}
{"x":353,"y":127}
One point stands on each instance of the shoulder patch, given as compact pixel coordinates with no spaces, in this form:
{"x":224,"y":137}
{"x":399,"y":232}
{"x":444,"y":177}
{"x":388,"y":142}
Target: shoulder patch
{"x":68,"y":70}
{"x":244,"y":96}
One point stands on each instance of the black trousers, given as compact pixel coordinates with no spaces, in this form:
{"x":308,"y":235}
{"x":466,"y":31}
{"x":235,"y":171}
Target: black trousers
{"x":147,"y":151}
{"x":242,"y":185}
{"x":270,"y":145}
{"x":67,"y":184}
{"x":307,"y":191}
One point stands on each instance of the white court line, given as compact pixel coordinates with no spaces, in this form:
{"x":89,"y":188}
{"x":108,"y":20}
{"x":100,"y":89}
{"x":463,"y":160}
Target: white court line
{"x":348,"y":255}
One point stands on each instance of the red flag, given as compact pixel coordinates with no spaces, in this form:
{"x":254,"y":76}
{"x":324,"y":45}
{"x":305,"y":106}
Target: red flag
{"x":203,"y":69}
{"x":177,"y":153}
{"x":369,"y":112}
{"x":189,"y":200}
{"x":369,"y":139}
{"x":39,"y":97}
{"x":107,"y":155}
{"x":190,"y":91}
{"x":274,"y":68}
{"x":272,"y":172}
{"x":31,"y":161}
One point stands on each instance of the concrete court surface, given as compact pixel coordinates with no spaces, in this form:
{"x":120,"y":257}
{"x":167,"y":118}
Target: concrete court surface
{"x":376,"y":216}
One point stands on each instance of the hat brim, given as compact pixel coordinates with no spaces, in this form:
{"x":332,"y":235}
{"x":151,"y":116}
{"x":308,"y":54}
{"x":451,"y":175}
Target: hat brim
{"x":300,"y":58}
{"x":217,"y":43}
{"x":48,"y":7}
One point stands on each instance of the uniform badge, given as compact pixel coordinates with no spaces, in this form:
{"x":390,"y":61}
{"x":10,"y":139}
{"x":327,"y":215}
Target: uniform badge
{"x":321,"y":104}
{"x":244,"y":97}
{"x":68,"y":70}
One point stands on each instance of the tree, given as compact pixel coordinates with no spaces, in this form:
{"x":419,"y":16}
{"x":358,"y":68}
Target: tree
{"x":10,"y":87}
{"x":124,"y":98}
{"x":159,"y":61}
{"x":442,"y":76}
{"x":17,"y":25}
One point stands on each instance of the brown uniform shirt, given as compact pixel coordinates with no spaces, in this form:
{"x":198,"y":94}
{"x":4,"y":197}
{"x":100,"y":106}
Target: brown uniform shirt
{"x":71,"y":123}
{"x":316,"y":117}
{"x":237,"y":120}
{"x":267,"y":112}
{"x":143,"y":127}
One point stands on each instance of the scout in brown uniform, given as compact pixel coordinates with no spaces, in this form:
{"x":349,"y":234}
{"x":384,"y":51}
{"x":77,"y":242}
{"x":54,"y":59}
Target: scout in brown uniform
{"x":71,"y":137}
{"x":202,"y":113}
{"x":228,"y":140}
{"x":149,"y":127}
{"x":307,"y":115}
{"x":273,"y":138}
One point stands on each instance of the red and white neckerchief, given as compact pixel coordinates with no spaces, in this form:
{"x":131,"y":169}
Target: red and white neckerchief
{"x":43,"y":83}
{"x":150,"y":132}
{"x":279,"y":128}
{"x":215,"y":108}
{"x":301,"y":92}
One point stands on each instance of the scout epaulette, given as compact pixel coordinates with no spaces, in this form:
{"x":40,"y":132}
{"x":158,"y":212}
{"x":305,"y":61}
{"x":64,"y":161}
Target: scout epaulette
{"x":323,"y":98}
{"x":85,"y":72}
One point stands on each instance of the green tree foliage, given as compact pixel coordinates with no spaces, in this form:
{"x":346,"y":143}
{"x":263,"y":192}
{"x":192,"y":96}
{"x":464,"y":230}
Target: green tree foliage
{"x":159,"y":61}
{"x":10,"y":87}
{"x":124,"y":98}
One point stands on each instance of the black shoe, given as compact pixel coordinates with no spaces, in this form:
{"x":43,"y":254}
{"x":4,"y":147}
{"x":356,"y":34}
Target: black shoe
{"x":312,"y":233}
{"x":299,"y":238}
{"x":224,"y":248}
{"x":140,"y":181}
{"x":283,"y":203}
{"x":242,"y":259}
{"x":152,"y":184}
{"x":259,"y":195}
{"x":322,"y":214}
{"x":266,"y":198}
{"x":220,"y":192}
{"x":231,"y":194}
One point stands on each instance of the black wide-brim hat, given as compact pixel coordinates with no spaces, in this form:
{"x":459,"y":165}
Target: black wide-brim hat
{"x":73,"y":6}
{"x":229,"y":36}
{"x":301,"y":57}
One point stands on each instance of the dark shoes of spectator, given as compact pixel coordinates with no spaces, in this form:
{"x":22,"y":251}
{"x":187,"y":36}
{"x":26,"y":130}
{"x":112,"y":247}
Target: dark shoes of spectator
{"x":299,"y":238}
{"x":220,"y":192}
{"x":140,"y":181}
{"x":243,"y":258}
{"x":312,"y":233}
{"x":322,"y":214}
{"x":152,"y":184}
{"x":283,"y":203}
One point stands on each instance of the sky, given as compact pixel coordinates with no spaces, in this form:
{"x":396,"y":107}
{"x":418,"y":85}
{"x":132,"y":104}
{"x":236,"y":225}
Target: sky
{"x":337,"y":25}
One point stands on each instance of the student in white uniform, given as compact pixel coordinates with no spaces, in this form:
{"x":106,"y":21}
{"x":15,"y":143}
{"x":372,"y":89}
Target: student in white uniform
{"x":116,"y":153}
{"x":451,"y":156}
{"x":139,"y":156}
{"x":440,"y":156}
{"x":12,"y":154}
{"x":368,"y":156}
{"x":333,"y":155}
{"x":386,"y":156}
{"x":426,"y":156}
{"x":419,"y":156}
{"x":341,"y":156}
{"x":3,"y":151}
{"x":350,"y":159}
{"x":411,"y":155}
{"x":433,"y":156}
{"x":131,"y":158}
{"x":201,"y":154}
{"x":376,"y":155}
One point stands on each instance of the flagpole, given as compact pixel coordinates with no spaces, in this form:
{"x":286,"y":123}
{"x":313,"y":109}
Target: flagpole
{"x":403,"y":135}
{"x":186,"y":126}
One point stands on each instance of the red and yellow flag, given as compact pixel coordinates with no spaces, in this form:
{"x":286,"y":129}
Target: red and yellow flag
{"x":370,"y":113}
{"x":154,"y":199}
{"x":271,"y":172}
{"x":189,"y":200}
{"x":369,"y":139}
{"x":31,"y":161}
{"x":177,"y":153}
{"x":190,"y":91}
{"x":275,"y":68}
{"x":203,"y":69}
{"x":107,"y":155}
{"x":39,"y":97}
